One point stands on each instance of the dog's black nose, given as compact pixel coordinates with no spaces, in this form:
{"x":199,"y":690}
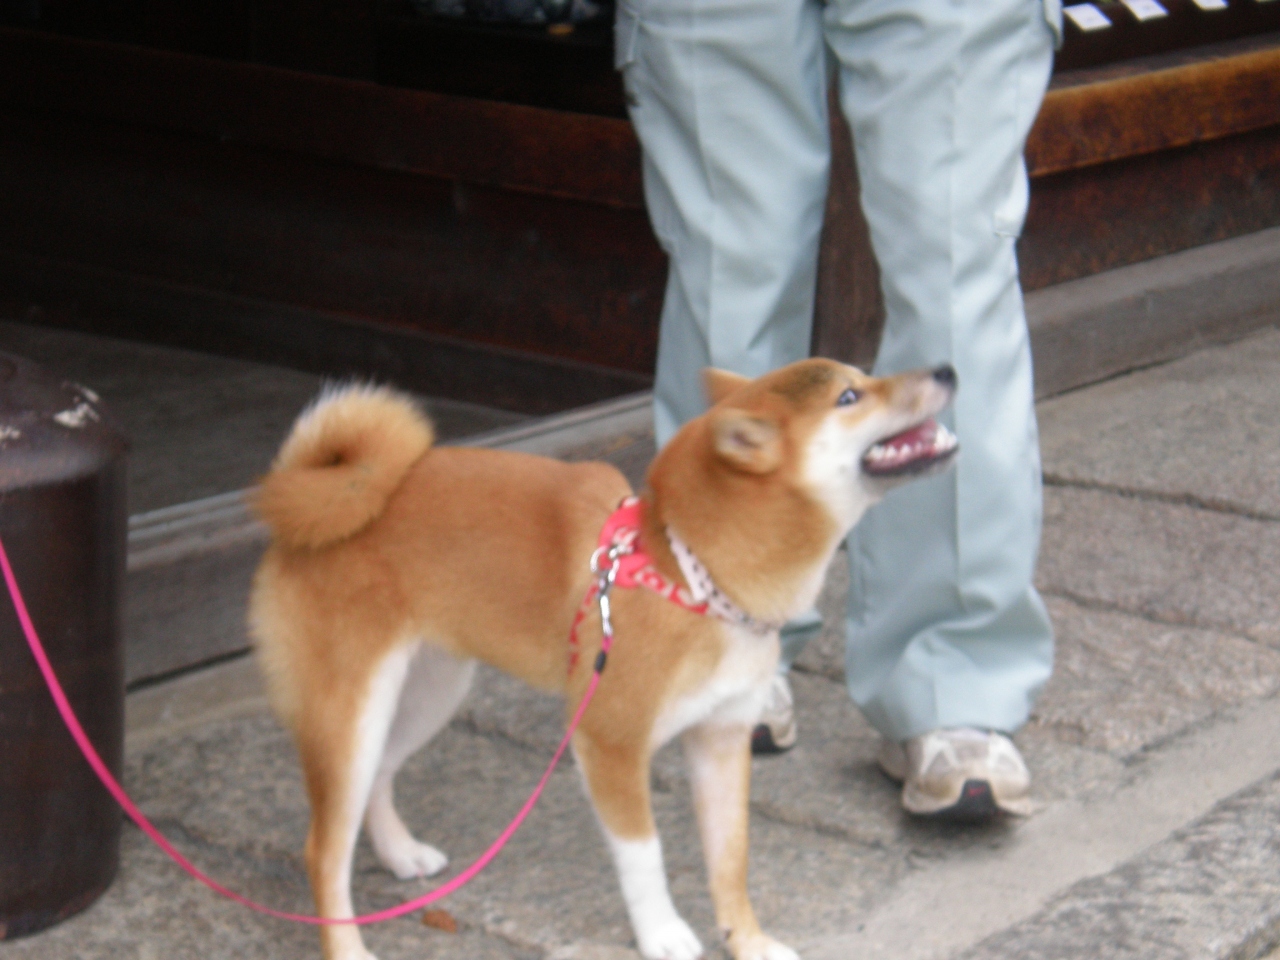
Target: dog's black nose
{"x":945,"y":375}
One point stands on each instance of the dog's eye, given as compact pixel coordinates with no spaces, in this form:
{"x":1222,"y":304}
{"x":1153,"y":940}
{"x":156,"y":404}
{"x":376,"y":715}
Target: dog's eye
{"x":847,"y":397}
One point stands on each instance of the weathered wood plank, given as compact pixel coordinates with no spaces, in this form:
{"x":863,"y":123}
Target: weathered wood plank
{"x":553,"y":152}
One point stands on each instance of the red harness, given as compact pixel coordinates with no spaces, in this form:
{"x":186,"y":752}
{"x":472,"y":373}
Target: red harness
{"x":635,"y":568}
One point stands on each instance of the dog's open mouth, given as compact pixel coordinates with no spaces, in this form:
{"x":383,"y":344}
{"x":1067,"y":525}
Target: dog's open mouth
{"x":911,"y":451}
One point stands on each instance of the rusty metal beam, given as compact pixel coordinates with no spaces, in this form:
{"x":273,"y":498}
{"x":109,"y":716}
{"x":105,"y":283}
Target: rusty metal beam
{"x":1118,"y":117}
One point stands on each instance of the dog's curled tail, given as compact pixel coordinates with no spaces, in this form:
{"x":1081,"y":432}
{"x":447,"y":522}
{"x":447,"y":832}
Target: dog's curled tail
{"x":346,"y":455}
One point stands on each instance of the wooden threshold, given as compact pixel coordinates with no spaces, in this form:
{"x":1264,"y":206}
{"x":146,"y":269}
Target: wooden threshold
{"x":484,"y":142}
{"x":1092,"y":117}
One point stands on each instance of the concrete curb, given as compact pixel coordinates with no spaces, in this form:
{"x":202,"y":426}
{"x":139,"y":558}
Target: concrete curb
{"x":184,"y":565}
{"x":558,"y":434}
{"x":1210,"y":891}
{"x":1087,"y":330}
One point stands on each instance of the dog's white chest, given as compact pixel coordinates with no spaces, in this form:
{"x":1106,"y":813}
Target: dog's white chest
{"x":734,"y":693}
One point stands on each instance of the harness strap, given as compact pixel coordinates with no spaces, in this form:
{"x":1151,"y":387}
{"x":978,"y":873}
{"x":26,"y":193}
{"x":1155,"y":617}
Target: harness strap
{"x":621,"y":533}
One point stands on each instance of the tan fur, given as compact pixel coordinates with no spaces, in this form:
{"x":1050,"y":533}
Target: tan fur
{"x":382,"y":543}
{"x":718,"y":384}
{"x":340,"y":464}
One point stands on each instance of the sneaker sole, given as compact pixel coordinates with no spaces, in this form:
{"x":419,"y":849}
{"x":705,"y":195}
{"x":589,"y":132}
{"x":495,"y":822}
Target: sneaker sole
{"x":975,"y":803}
{"x":763,"y":744}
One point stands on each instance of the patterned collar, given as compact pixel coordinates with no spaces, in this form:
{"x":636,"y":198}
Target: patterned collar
{"x":705,"y":591}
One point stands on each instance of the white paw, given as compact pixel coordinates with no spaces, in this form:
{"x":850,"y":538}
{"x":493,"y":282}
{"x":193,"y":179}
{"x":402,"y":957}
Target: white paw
{"x":773,"y":950}
{"x":763,"y":947}
{"x":413,"y":859}
{"x":669,"y":940}
{"x":357,"y":952}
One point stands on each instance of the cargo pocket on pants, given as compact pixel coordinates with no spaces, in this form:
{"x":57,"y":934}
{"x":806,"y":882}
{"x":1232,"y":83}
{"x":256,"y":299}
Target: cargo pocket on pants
{"x":1012,"y":210}
{"x":626,"y":32}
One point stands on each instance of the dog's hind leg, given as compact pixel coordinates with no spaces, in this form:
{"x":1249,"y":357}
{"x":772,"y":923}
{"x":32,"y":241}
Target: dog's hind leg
{"x":434,"y":688}
{"x":341,"y":743}
{"x":617,"y":778}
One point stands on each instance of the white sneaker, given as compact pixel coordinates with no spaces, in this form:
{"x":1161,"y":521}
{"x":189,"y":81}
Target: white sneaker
{"x":960,"y":773}
{"x":776,"y":731}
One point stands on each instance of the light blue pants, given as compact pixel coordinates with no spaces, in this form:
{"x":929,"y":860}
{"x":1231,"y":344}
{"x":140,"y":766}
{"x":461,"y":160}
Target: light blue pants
{"x":728,"y":98}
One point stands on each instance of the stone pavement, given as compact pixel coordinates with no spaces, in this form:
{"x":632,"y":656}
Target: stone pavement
{"x":1155,"y":750}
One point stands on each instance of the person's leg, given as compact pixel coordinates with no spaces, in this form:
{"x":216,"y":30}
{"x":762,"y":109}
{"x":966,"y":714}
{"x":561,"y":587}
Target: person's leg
{"x":777,"y":732}
{"x":945,"y":627}
{"x":728,"y":100}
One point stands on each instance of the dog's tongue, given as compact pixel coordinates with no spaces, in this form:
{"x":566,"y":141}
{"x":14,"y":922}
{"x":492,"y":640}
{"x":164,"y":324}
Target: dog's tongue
{"x":923,"y":442}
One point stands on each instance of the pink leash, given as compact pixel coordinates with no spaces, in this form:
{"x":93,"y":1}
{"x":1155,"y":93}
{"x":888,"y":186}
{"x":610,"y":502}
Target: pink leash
{"x":604,"y":578}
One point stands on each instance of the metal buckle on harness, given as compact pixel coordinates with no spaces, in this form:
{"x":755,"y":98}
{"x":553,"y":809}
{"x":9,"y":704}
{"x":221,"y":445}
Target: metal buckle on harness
{"x":605,"y":562}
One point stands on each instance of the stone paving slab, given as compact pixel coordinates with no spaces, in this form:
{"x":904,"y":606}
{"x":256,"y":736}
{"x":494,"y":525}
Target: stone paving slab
{"x":948,"y":904}
{"x":1170,"y":562}
{"x":828,"y":783}
{"x":1203,"y":428}
{"x":1211,"y":891}
{"x":1121,"y":683}
{"x":824,"y":654}
{"x":177,"y":614}
{"x":1097,"y":326}
{"x":808,"y":876}
{"x":231,"y":797}
{"x":230,"y":794}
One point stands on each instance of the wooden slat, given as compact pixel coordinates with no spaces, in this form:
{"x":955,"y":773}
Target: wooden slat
{"x":510,"y":269}
{"x":553,"y":152}
{"x":1129,"y":116}
{"x":483,"y":142}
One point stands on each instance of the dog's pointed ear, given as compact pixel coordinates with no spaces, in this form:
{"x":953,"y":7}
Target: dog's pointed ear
{"x":718,"y":384}
{"x":748,"y":442}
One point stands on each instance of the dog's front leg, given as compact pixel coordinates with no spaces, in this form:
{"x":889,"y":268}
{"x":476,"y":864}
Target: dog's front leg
{"x":617,"y":779}
{"x":719,"y":759}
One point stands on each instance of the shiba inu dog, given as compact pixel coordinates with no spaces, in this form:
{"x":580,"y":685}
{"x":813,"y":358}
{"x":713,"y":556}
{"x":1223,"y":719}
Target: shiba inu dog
{"x":396,"y":565}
